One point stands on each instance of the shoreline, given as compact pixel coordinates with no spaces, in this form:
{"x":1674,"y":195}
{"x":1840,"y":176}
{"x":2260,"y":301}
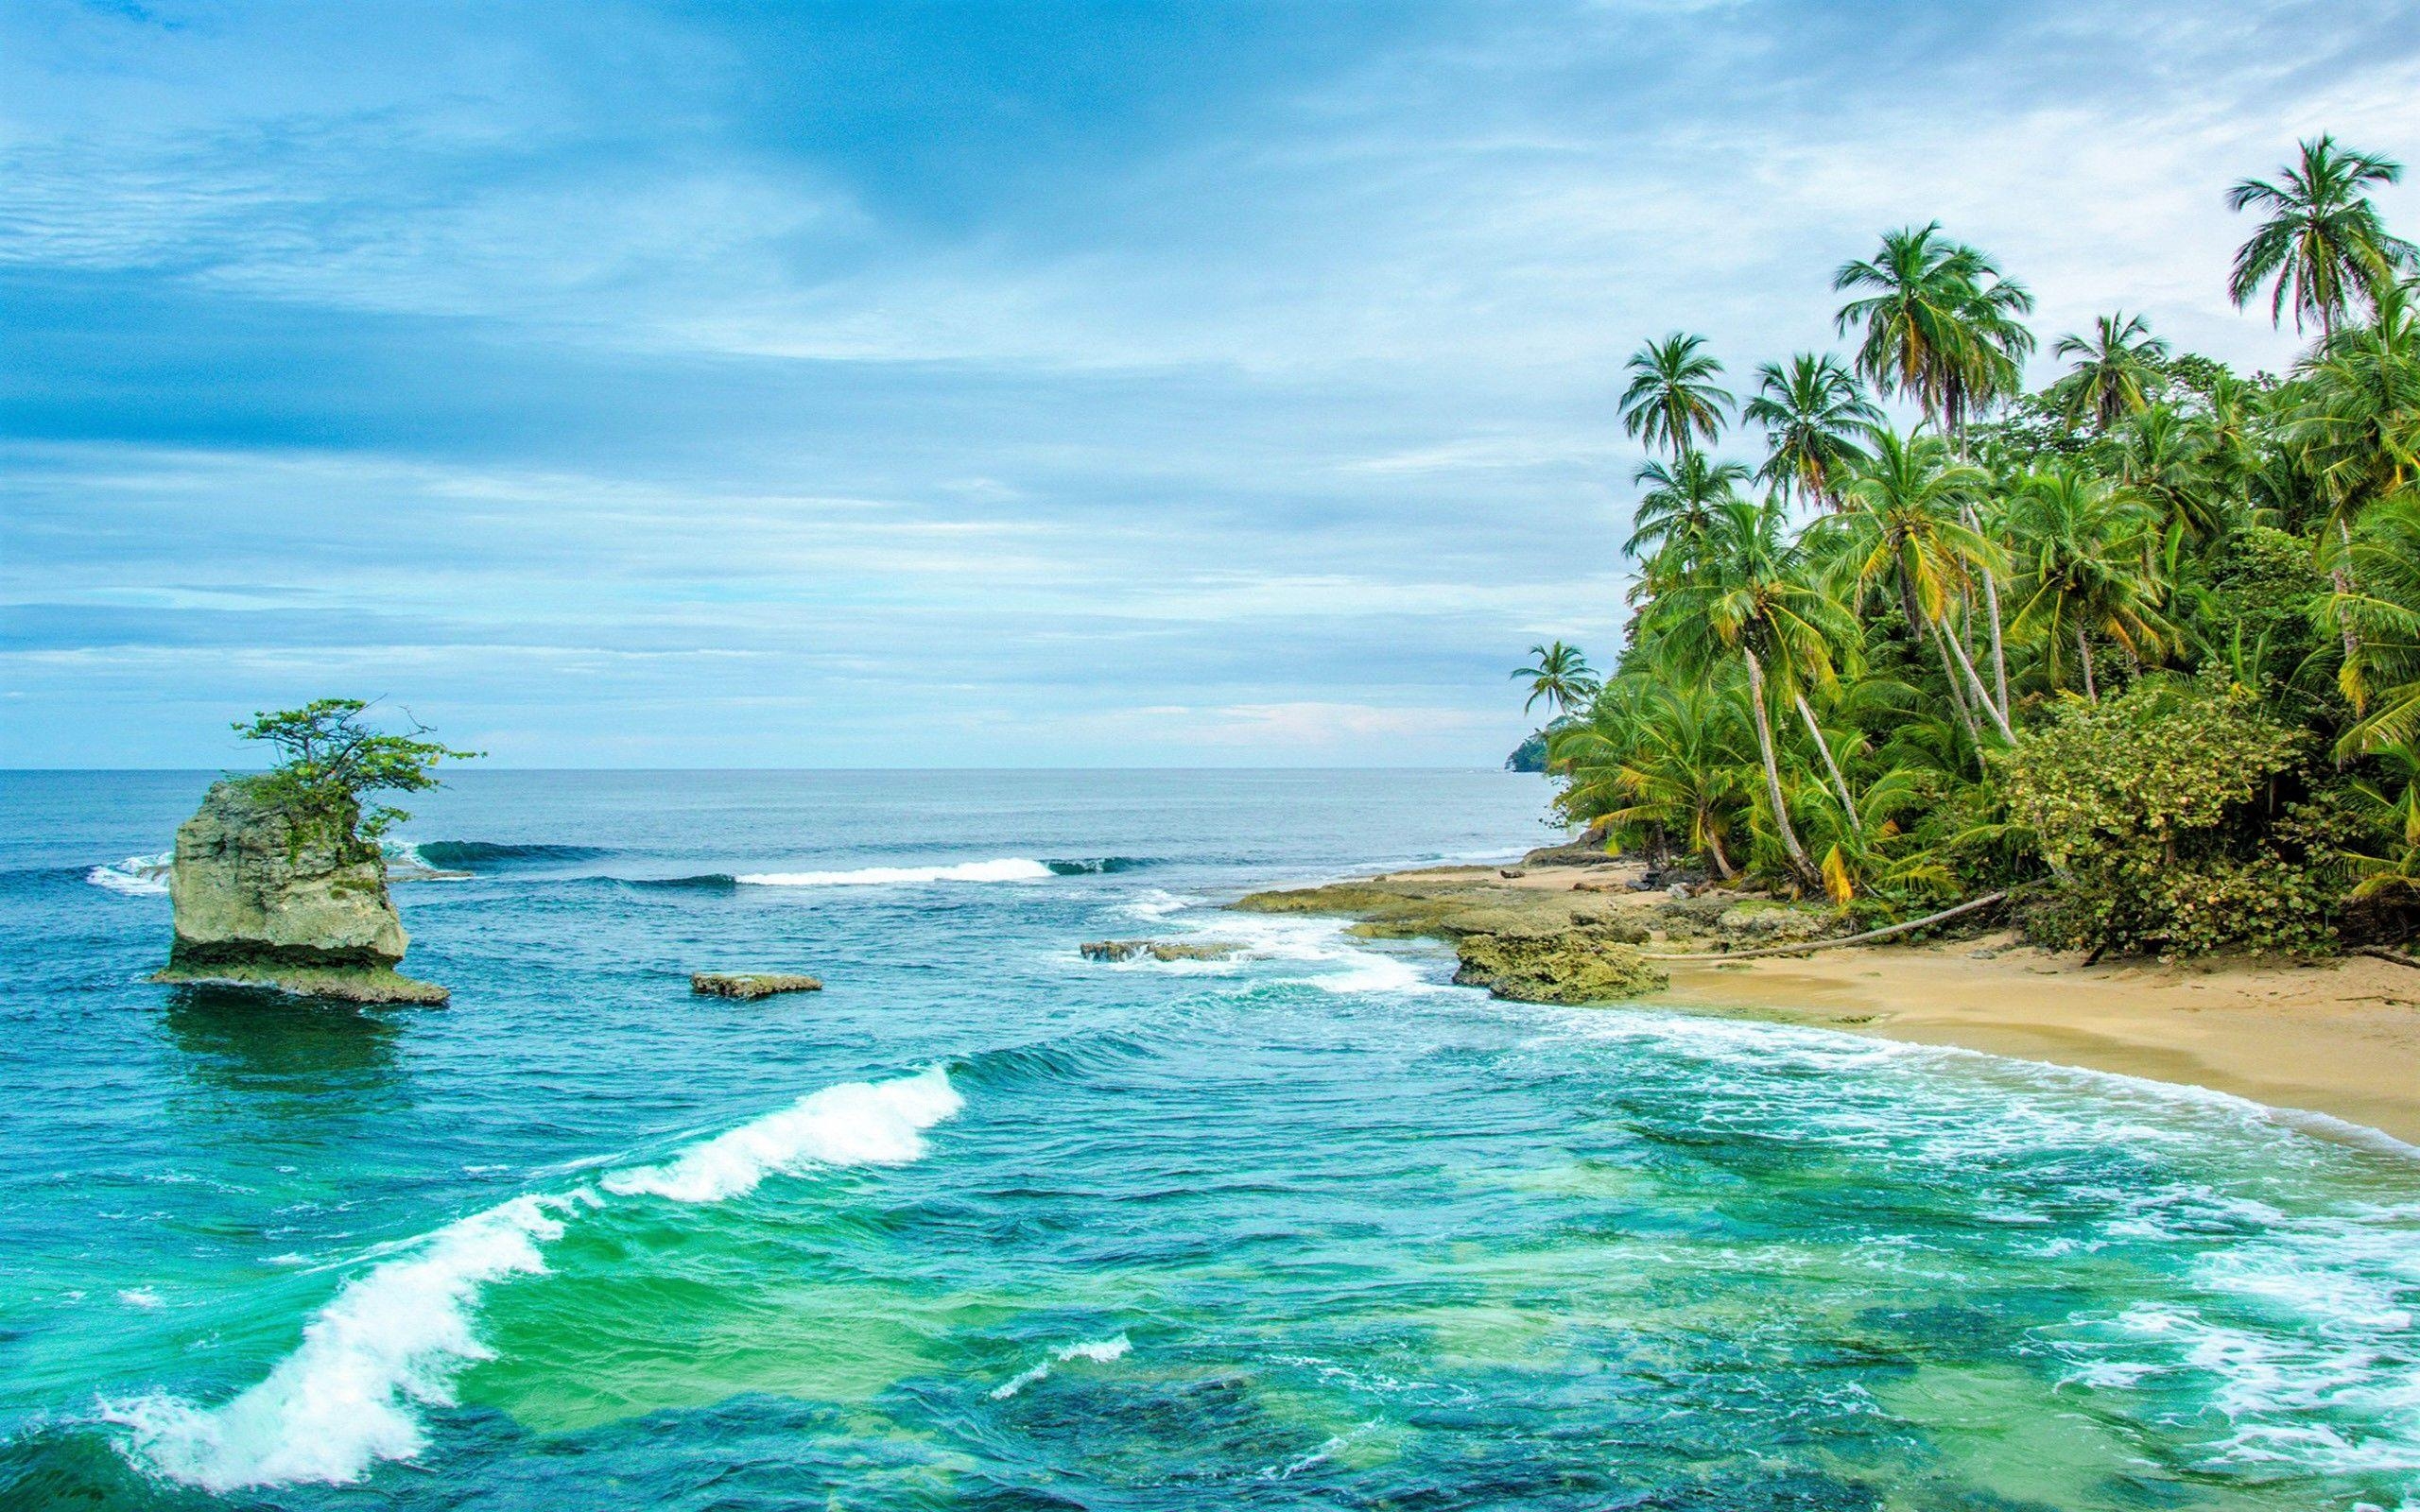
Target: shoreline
{"x":2338,"y":1039}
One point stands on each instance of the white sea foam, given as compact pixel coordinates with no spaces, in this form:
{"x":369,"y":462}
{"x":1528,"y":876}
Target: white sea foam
{"x":856,"y":1124}
{"x":1323,"y":942}
{"x":1101,"y":1351}
{"x":136,"y":876}
{"x":396,"y":1336}
{"x":1013,"y":870}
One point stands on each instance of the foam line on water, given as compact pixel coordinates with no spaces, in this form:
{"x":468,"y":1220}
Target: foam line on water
{"x":1101,"y":1351}
{"x":393,"y":1338}
{"x":1010,"y":870}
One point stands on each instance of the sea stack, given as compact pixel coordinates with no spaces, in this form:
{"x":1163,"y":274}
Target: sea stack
{"x":262,"y":901}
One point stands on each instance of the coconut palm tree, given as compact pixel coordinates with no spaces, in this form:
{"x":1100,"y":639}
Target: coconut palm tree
{"x":2115,"y":367}
{"x":1905,"y":517}
{"x":1561,"y":675}
{"x":1937,"y":323}
{"x":2322,"y":249}
{"x":1813,"y":411}
{"x":1680,"y":774}
{"x":1670,"y":521}
{"x":1753,"y":598}
{"x":1673,"y":398}
{"x":2084,"y":574}
{"x":2165,"y":460}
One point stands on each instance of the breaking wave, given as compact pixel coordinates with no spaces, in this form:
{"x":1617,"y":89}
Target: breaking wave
{"x":1100,"y":1352}
{"x":395,"y":1338}
{"x":1097,"y":866}
{"x":136,"y":876}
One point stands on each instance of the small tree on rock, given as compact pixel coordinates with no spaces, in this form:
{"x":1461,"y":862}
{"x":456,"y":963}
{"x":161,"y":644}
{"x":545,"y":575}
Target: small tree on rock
{"x":329,"y":760}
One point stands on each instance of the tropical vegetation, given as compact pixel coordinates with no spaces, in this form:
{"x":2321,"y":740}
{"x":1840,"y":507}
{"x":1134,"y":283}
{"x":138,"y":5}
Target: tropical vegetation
{"x":330,"y":759}
{"x":2141,"y":646}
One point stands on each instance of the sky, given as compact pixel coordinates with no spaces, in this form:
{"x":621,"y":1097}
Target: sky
{"x":981,"y":385}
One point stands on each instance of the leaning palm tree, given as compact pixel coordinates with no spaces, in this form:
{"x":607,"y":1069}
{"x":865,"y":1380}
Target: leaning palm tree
{"x":1673,"y":398}
{"x":2084,"y":571}
{"x":2116,"y":369}
{"x":1670,"y":521}
{"x":1813,"y":411}
{"x":1561,"y":675}
{"x":1751,"y":598}
{"x":2322,"y":249}
{"x":1904,"y":518}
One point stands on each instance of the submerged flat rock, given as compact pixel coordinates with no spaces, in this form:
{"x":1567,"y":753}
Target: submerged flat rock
{"x":1158,"y":950}
{"x":345,"y":984}
{"x":749,"y":985}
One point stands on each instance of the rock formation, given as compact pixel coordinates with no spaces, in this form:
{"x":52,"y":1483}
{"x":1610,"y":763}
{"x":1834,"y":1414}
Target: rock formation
{"x":1158,"y":950}
{"x":262,"y":901}
{"x":749,"y":985}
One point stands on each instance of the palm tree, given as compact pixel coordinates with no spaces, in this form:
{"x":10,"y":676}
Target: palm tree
{"x":1672,"y":398}
{"x":1681,"y":773}
{"x":1670,"y":521}
{"x":1561,"y":675}
{"x":2323,"y":246}
{"x":1812,"y":412}
{"x":1938,"y":321}
{"x":2114,"y":368}
{"x":1941,"y":326}
{"x":1752,"y":597}
{"x":1905,"y":516}
{"x":2165,"y":460}
{"x":2083,"y":571}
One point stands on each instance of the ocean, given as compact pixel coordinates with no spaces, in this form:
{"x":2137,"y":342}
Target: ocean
{"x":985,"y":1224}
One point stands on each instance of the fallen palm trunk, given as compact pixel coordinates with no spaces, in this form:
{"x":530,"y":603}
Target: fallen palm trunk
{"x":1809,"y":947}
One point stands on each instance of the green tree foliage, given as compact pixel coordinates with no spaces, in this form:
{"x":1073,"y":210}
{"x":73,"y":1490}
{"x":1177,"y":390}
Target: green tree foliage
{"x":2143,"y":806}
{"x":2143,"y":645}
{"x":328,"y":760}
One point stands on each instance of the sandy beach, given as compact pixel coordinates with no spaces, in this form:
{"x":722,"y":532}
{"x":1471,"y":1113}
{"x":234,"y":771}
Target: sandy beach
{"x":2338,"y":1038}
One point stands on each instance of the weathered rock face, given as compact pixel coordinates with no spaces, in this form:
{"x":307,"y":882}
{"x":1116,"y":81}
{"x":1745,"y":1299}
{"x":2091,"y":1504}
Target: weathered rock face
{"x":1589,"y":964}
{"x":249,"y":890}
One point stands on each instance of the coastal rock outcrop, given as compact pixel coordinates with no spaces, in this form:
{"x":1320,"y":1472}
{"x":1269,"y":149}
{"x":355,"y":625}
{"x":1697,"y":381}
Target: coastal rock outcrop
{"x":1585,"y":965}
{"x":751,"y":985}
{"x":261,"y":900}
{"x":1158,"y":950}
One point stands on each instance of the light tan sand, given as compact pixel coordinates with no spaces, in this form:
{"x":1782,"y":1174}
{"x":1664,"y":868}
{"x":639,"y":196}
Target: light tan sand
{"x":2340,"y":1039}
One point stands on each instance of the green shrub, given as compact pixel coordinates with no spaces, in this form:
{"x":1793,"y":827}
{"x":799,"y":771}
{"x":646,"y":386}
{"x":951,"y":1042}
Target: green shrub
{"x":2142,"y":806}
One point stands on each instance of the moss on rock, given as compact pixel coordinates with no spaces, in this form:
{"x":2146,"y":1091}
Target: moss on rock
{"x":1583,"y":965}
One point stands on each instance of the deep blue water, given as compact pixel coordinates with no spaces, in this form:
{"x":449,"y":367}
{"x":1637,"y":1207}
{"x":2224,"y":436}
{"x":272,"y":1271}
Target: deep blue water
{"x":983,"y":1225}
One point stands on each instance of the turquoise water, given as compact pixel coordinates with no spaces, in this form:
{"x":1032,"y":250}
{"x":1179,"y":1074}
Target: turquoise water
{"x":986,"y":1226}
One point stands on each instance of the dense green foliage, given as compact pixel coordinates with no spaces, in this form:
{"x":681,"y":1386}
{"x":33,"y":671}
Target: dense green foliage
{"x":2143,"y":644}
{"x":329,"y":761}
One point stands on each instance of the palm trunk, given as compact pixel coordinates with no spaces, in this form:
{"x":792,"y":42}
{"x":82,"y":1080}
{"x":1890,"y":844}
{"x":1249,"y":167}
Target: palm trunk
{"x":1982,"y":694}
{"x":2083,"y":649}
{"x":1722,"y":866}
{"x":1798,"y":859}
{"x":1956,"y":692}
{"x":2341,"y":576}
{"x":1840,"y":784}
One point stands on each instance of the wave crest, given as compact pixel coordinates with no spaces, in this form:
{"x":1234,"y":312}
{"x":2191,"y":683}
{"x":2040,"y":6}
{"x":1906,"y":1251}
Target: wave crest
{"x":1012,"y":869}
{"x":136,"y":876}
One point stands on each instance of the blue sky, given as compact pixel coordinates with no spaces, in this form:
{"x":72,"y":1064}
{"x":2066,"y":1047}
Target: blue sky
{"x":971,"y":384}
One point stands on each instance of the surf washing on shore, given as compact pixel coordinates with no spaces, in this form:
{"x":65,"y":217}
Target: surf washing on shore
{"x":987,"y":1225}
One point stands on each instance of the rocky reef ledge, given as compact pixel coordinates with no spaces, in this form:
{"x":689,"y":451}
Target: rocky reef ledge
{"x":1532,"y":946}
{"x":1157,"y":950}
{"x":747,"y":986}
{"x":261,"y":901}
